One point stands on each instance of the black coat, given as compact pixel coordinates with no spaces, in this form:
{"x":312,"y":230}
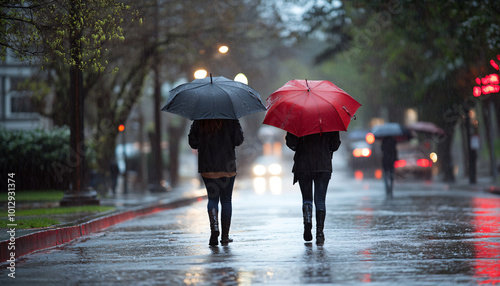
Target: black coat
{"x":313,"y":153}
{"x":216,"y":150}
{"x":389,"y":153}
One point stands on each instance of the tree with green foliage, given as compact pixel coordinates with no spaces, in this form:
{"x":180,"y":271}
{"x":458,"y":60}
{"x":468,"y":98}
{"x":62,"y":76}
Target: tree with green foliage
{"x":72,"y":32}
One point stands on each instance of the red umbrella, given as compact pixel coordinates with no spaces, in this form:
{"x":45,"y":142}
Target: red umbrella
{"x":304,"y":107}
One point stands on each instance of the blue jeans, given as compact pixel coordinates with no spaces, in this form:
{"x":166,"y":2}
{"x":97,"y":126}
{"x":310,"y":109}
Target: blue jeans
{"x":320,"y":180}
{"x":220,"y":189}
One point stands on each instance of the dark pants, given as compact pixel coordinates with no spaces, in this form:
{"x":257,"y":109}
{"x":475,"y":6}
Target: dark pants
{"x":388,"y":180}
{"x":320,"y":180}
{"x":220,"y":189}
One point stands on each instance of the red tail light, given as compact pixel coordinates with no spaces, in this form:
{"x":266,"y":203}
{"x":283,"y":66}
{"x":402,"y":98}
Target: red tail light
{"x":424,"y":163}
{"x":399,"y":163}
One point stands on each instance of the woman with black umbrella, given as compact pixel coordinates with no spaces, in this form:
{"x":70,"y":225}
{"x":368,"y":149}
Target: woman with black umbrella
{"x":216,"y":140}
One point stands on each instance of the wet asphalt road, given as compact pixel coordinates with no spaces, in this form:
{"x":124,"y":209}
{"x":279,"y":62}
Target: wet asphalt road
{"x":428,"y":234}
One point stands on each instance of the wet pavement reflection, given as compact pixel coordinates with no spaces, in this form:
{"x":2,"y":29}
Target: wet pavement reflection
{"x":426,"y":235}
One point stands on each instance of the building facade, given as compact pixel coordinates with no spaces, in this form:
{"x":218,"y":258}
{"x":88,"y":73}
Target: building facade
{"x":16,"y":110}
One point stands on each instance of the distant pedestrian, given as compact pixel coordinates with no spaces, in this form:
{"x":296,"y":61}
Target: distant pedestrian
{"x":313,"y":166}
{"x":389,"y":157}
{"x":114,"y":171}
{"x":216,"y":140}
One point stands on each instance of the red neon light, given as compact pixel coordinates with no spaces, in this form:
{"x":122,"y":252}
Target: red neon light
{"x":494,"y":78}
{"x":490,"y":84}
{"x":493,"y":64}
{"x":491,"y":78}
{"x":476,"y":91}
{"x":491,"y":88}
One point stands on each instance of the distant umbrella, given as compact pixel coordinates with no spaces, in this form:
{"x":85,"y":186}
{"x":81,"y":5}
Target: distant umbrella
{"x":391,"y":129}
{"x":424,"y":126}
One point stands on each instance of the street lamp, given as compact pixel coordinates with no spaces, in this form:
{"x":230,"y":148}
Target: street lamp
{"x":241,"y":78}
{"x":201,"y":73}
{"x":223,"y":49}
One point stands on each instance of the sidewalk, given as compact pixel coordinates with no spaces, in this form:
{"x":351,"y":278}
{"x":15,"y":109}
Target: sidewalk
{"x":131,"y":205}
{"x":128,"y":206}
{"x":484,"y":184}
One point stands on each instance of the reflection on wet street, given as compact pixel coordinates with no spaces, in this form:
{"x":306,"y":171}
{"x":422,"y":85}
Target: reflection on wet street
{"x":426,"y":235}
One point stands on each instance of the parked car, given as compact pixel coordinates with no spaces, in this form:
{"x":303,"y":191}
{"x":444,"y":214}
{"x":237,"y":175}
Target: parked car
{"x":413,"y":162}
{"x":363,"y":155}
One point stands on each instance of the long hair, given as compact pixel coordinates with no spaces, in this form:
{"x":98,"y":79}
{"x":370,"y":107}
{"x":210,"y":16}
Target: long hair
{"x":211,"y":125}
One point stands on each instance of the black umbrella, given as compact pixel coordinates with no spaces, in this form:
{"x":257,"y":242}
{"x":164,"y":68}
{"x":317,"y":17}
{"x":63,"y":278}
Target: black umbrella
{"x":391,"y":129}
{"x":213,"y":98}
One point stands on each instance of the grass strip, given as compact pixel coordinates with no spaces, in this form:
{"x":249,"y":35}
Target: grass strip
{"x":35,"y":196}
{"x":46,"y":217}
{"x":62,"y":210}
{"x":27,"y":223}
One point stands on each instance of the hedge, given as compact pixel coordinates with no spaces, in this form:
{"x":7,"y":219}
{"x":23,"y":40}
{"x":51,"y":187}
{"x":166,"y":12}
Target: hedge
{"x":38,"y":158}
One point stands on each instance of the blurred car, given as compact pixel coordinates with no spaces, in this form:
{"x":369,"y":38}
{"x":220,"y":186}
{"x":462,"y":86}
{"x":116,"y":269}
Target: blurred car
{"x":266,"y":166}
{"x":363,"y":155}
{"x":413,"y":162}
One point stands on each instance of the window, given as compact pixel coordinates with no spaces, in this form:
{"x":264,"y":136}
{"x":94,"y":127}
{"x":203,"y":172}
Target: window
{"x":18,"y":101}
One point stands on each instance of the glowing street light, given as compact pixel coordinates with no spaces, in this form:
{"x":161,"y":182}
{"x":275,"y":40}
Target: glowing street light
{"x":241,"y":78}
{"x":223,"y":49}
{"x":201,"y":73}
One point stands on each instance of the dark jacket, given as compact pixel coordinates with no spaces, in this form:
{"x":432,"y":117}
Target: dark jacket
{"x":313,"y":153}
{"x":216,"y":150}
{"x":389,"y":153}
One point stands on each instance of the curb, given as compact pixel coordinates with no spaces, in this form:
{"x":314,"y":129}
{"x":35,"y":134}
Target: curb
{"x":13,"y":248}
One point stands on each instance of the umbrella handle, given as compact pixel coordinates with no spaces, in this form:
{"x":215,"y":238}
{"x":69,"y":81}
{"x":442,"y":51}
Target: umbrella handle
{"x":353,"y":117}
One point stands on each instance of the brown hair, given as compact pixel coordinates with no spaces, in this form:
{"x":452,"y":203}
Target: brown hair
{"x":210,"y":125}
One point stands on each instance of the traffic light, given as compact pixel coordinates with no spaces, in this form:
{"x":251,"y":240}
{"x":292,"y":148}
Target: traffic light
{"x":121,"y":127}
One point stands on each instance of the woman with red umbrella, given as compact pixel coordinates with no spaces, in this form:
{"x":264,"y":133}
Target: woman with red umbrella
{"x":312,"y":113}
{"x":313,"y":166}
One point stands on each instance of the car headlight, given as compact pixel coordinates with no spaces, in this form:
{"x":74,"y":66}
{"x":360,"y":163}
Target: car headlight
{"x":259,"y":170}
{"x":274,"y":169}
{"x":434,"y":157}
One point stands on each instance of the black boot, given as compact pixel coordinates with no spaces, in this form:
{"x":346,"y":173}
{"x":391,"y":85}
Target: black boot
{"x":320,"y":224}
{"x":226,"y":224}
{"x":307,"y":214}
{"x":213,"y":215}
